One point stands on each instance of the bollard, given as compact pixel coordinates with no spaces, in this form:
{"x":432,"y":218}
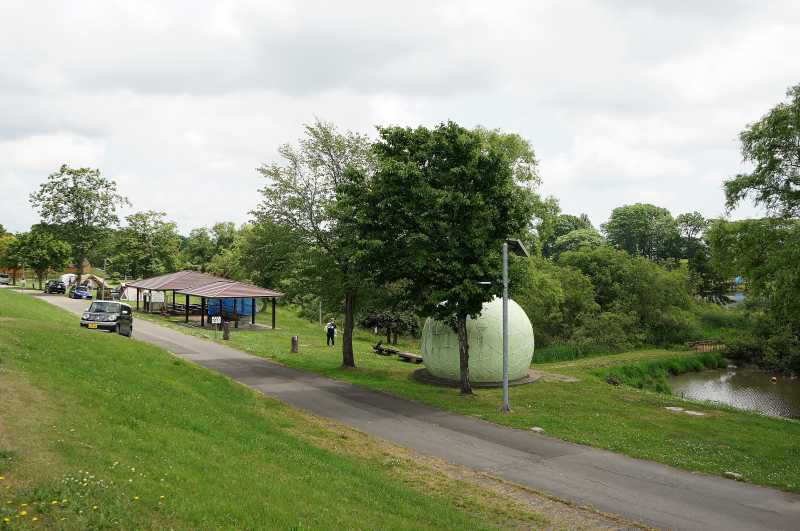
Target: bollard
{"x":226,"y":330}
{"x":295,"y":344}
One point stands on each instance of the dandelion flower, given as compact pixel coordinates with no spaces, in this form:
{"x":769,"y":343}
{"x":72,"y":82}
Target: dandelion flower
{"x":7,"y":520}
{"x":136,"y":498}
{"x":23,"y":513}
{"x":34,"y":519}
{"x":54,"y":502}
{"x":23,"y":504}
{"x":2,"y":478}
{"x":161,"y":497}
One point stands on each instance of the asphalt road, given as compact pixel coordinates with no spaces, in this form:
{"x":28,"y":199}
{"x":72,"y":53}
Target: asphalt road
{"x":643,"y":491}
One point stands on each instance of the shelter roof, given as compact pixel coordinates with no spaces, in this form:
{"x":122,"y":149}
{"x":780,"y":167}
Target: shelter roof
{"x":228,"y":289}
{"x":176,"y":281}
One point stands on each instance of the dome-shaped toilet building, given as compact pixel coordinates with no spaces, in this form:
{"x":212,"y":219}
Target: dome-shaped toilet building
{"x":485,"y":336}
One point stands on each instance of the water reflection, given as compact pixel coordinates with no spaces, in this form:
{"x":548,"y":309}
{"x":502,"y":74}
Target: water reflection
{"x":742,"y":388}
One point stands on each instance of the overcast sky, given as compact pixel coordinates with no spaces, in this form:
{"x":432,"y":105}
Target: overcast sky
{"x":623,"y":101}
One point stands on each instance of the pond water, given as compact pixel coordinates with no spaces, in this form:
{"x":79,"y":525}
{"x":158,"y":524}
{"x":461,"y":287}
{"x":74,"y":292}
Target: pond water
{"x":742,"y":388}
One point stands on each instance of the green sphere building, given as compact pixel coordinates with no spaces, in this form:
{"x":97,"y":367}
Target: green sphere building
{"x":485,"y":336}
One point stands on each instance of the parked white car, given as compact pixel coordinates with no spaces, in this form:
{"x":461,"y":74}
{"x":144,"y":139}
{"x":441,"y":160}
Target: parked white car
{"x":5,"y":279}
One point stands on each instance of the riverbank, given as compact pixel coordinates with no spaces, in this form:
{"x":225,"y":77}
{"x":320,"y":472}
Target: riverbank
{"x":588,"y":411}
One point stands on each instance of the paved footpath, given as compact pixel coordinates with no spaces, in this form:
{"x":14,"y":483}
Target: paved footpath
{"x":643,"y":491}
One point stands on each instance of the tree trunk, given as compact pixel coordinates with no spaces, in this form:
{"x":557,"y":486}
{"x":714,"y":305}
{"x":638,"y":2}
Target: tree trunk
{"x":388,"y":335}
{"x":80,"y":270}
{"x":463,"y":353}
{"x":348,"y":360}
{"x":394,"y":338}
{"x":40,"y":276}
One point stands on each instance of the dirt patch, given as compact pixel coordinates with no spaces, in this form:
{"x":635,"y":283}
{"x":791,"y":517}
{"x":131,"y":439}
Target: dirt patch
{"x":542,"y":376}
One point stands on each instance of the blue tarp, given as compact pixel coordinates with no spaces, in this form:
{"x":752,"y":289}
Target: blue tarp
{"x":244,"y":307}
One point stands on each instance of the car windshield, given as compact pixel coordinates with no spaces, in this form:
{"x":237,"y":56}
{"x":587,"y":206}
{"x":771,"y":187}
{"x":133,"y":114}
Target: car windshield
{"x":104,"y":307}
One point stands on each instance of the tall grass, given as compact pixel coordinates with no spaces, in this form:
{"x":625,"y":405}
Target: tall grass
{"x":568,"y":351}
{"x":653,"y":375}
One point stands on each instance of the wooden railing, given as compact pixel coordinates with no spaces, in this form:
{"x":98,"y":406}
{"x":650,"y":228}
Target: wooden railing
{"x":706,"y":345}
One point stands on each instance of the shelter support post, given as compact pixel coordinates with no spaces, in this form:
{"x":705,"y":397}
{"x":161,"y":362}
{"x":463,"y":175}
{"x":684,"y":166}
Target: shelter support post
{"x":253,"y":311}
{"x":273,"y":313}
{"x":186,"y":307}
{"x":202,"y":312}
{"x":235,"y":314}
{"x":173,"y":300}
{"x":137,"y":299}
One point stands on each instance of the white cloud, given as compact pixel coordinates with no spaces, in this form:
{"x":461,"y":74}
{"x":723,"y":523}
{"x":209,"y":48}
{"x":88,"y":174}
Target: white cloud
{"x":181,"y":101}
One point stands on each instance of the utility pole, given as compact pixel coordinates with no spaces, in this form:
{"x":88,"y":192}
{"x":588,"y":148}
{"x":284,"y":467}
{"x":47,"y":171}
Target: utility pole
{"x":505,"y":406}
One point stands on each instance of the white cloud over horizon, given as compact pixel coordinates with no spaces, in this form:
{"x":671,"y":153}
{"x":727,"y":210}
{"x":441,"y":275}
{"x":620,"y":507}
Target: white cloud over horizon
{"x":181,"y":101}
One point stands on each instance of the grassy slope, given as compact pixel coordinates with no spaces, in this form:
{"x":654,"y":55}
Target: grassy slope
{"x":100,"y":431}
{"x":622,"y":419}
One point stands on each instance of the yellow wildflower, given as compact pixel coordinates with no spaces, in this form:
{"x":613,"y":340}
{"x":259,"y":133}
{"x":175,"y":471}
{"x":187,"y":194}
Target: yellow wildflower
{"x":2,"y":478}
{"x":136,"y":498}
{"x":34,"y":519}
{"x":54,"y":502}
{"x":23,"y":513}
{"x":94,"y":507}
{"x":7,"y":520}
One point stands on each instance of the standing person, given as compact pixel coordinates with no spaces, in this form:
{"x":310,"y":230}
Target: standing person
{"x":331,"y":331}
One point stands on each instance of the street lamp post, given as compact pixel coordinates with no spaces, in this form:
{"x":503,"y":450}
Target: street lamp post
{"x":520,"y":250}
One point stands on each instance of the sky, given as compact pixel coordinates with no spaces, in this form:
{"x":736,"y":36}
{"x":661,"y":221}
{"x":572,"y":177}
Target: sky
{"x":180,"y":102}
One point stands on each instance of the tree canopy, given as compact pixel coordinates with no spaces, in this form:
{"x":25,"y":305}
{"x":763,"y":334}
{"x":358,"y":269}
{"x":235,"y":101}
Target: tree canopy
{"x":772,"y":145}
{"x":300,"y":196}
{"x":147,"y":245}
{"x":643,"y":229}
{"x":41,"y":251}
{"x":81,"y":204}
{"x":435,"y":214}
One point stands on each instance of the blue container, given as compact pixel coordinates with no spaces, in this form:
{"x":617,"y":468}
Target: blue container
{"x":244,"y":307}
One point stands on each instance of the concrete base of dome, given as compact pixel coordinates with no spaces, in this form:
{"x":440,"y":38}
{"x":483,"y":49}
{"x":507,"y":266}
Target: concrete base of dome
{"x":422,"y":375}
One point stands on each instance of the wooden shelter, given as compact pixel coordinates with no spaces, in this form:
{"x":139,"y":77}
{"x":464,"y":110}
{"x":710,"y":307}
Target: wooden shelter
{"x":228,"y":289}
{"x":205,"y":286}
{"x":173,"y":282}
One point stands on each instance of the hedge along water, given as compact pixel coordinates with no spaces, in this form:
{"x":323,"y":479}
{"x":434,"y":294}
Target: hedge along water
{"x":654,"y":375}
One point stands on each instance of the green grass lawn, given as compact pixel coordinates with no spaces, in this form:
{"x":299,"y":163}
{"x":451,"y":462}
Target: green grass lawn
{"x":763,"y":450}
{"x":98,"y":431}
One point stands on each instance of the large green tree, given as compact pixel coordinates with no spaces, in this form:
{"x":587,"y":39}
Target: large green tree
{"x":81,"y":204}
{"x":147,"y":245}
{"x":645,"y":230}
{"x":766,"y":252}
{"x":435,"y":214}
{"x":772,"y":145}
{"x":42,"y":251}
{"x":562,"y":225}
{"x":10,"y":256}
{"x":300,"y":196}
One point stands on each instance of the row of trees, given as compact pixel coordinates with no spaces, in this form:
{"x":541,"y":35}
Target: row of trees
{"x":410,"y":225}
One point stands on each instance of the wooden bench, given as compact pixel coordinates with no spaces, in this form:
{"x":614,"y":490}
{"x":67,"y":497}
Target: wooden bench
{"x":409,"y":357}
{"x":384,"y":351}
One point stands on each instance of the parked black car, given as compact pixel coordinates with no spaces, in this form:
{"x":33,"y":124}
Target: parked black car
{"x":109,"y":315}
{"x":55,"y":286}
